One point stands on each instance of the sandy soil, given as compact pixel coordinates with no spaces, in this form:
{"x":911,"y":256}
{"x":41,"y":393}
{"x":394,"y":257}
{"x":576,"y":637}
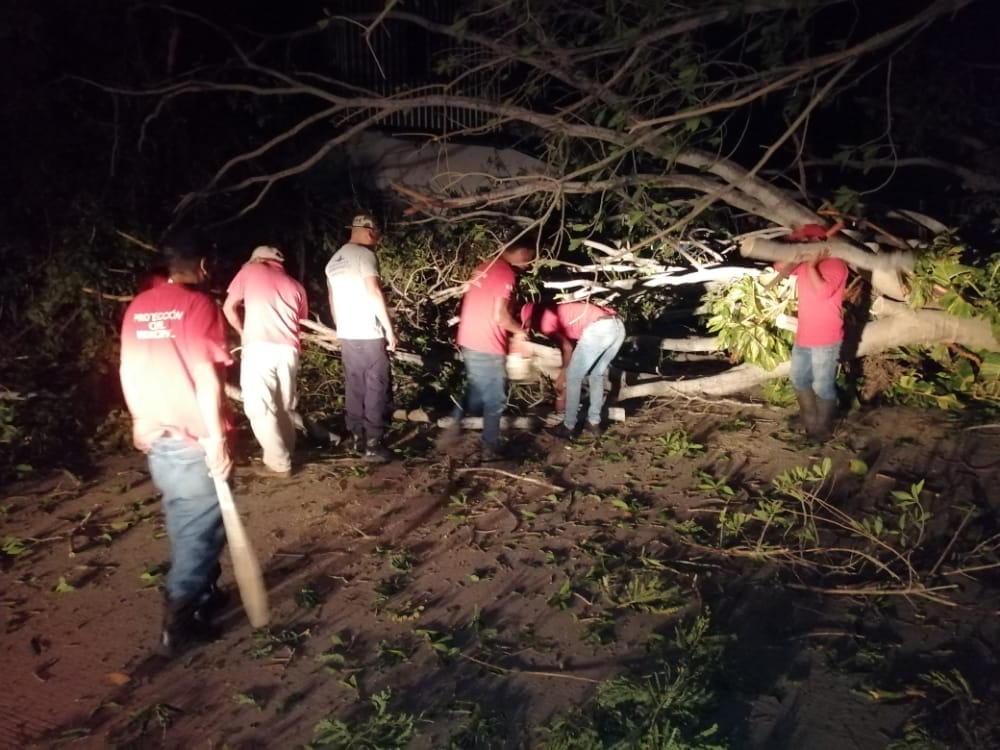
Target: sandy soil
{"x":491,"y":600}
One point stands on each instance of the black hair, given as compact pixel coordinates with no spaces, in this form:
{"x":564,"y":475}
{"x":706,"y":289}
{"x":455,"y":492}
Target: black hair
{"x":183,"y":250}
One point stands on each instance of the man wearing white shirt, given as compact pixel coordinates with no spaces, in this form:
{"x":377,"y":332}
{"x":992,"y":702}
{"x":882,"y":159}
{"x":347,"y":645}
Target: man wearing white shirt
{"x":366,"y":337}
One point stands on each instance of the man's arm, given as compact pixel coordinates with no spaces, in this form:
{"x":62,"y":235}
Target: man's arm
{"x":208,"y":390}
{"x":374,"y":288}
{"x":827,"y":278}
{"x":205,"y":354}
{"x":815,"y":279}
{"x":140,"y":430}
{"x":503,"y":318}
{"x":231,"y":311}
{"x":566,"y":348}
{"x":329,"y":299}
{"x":303,"y":311}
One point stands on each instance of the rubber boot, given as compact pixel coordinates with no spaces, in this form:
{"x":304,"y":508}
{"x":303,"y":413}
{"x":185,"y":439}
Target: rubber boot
{"x":192,"y":618}
{"x":376,"y":452}
{"x":179,"y":627}
{"x":808,"y":410}
{"x":825,"y":410}
{"x":356,"y":445}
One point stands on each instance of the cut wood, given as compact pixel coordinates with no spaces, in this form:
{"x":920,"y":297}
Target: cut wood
{"x":790,"y":252}
{"x":885,"y":268}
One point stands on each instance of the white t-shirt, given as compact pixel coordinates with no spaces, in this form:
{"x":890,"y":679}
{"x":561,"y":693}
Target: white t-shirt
{"x":353,"y":306}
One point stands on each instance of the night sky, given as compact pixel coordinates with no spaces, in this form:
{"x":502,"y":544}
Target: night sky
{"x":67,"y":138}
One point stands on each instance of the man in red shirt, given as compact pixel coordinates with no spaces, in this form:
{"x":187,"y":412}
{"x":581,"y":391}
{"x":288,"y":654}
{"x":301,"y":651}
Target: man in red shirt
{"x":484,"y":327}
{"x":273,"y":304}
{"x":821,"y":281}
{"x":589,"y":336}
{"x":173,"y":354}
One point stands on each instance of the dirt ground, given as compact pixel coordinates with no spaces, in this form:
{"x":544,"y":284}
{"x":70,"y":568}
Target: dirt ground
{"x":490,"y":601}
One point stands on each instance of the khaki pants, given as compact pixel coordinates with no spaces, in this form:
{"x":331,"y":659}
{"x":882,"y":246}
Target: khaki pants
{"x":267,"y":378}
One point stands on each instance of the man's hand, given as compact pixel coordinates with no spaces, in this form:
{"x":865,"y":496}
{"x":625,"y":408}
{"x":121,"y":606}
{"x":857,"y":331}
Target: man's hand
{"x":804,"y":255}
{"x":560,"y":385}
{"x":220,"y":463}
{"x":820,"y":255}
{"x":390,"y":340}
{"x":810,"y":255}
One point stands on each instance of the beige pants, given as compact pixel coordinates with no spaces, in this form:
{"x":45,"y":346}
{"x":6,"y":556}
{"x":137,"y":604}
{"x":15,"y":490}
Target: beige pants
{"x":267,"y":378}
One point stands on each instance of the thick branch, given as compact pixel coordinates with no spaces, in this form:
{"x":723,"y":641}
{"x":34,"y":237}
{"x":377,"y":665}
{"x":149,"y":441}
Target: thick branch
{"x":789,"y":252}
{"x":901,"y":327}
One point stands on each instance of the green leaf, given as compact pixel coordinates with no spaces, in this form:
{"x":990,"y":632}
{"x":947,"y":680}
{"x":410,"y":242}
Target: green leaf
{"x":858,"y":466}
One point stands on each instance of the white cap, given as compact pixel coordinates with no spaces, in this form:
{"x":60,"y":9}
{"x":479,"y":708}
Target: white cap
{"x":263,"y":252}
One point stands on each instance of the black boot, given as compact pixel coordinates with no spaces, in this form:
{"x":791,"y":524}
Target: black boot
{"x":190,"y":620}
{"x":357,"y":444}
{"x":823,"y":429}
{"x":808,"y":410}
{"x":376,"y":452}
{"x":179,"y":627}
{"x":206,"y":606}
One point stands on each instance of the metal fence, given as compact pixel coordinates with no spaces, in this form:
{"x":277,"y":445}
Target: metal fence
{"x":400,"y":57}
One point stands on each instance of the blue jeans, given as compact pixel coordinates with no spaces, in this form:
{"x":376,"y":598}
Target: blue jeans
{"x":194,"y":523}
{"x":592,"y":355}
{"x":815,"y":368}
{"x":486,"y":391}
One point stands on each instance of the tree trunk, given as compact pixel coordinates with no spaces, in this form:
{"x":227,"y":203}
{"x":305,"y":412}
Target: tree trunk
{"x":787,"y":252}
{"x":901,"y":326}
{"x":885,"y":268}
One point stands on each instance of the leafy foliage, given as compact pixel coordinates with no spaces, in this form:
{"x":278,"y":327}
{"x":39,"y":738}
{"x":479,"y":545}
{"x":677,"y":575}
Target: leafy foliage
{"x":64,"y":342}
{"x":942,"y":278}
{"x":632,"y":173}
{"x":383,"y":729}
{"x":664,"y":710}
{"x":744,"y":316}
{"x":947,"y":377}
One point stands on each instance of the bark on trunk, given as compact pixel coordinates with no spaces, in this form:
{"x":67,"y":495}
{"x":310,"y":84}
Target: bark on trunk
{"x":885,"y":268}
{"x":785,"y":252}
{"x":901,"y":326}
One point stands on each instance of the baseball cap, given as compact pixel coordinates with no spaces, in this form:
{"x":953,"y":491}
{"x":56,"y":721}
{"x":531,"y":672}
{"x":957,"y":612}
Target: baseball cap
{"x":363,"y":221}
{"x":264,"y":252}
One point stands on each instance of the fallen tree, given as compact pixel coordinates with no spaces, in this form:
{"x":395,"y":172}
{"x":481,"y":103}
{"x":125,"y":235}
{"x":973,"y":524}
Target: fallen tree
{"x":901,"y":326}
{"x":631,"y":121}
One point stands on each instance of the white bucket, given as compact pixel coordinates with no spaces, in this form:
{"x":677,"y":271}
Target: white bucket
{"x":518,"y":367}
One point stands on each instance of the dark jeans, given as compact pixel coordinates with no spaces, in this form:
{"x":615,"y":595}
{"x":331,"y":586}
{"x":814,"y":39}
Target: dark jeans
{"x":486,"y":391}
{"x":367,"y":376}
{"x":194,"y":522}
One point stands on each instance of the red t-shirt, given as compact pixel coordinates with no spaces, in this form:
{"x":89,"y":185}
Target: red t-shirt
{"x":820,"y":316}
{"x":570,"y":318}
{"x":273,"y":303}
{"x":166,"y":332}
{"x":477,"y":330}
